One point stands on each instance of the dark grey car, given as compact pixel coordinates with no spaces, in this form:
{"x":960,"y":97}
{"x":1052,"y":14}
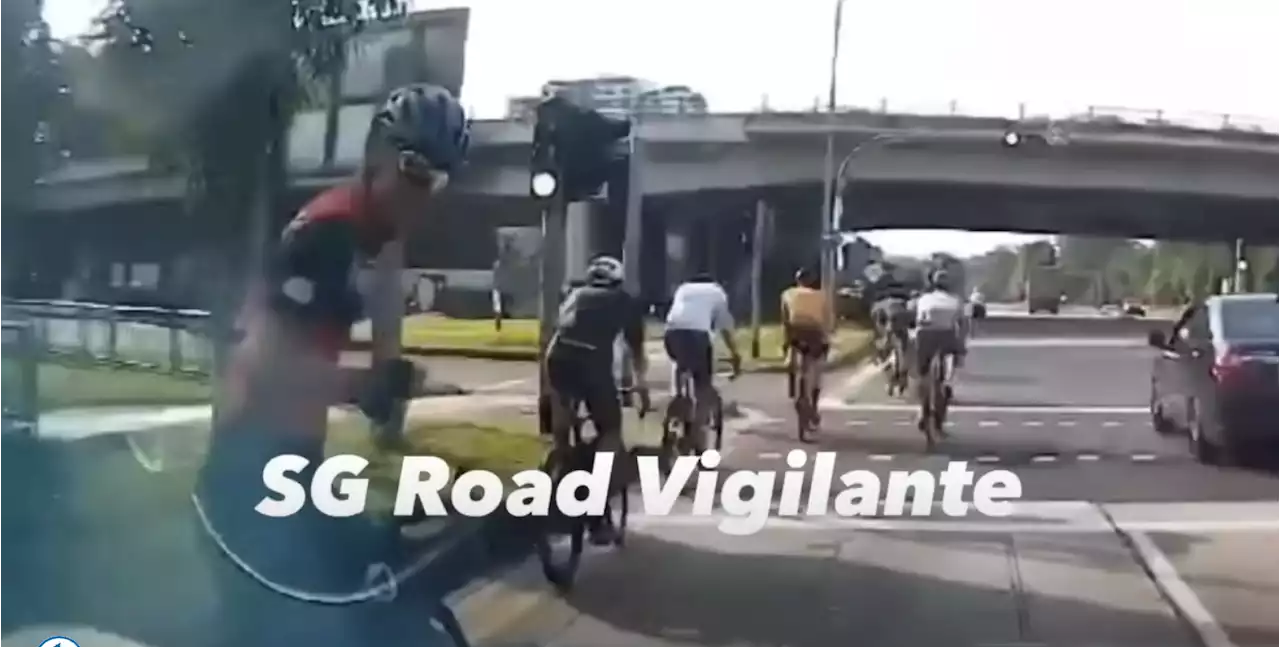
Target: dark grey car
{"x":1215,"y":376}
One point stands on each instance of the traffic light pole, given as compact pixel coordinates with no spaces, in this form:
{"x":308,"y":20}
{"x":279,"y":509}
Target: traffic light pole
{"x":551,"y":277}
{"x":633,"y":228}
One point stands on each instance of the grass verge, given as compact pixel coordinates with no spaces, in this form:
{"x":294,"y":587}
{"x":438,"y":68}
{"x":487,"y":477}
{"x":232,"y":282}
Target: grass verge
{"x":849,"y":345}
{"x":518,"y":340}
{"x":63,"y":385}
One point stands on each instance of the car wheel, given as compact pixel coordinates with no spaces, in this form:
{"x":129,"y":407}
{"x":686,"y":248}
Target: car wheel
{"x":1201,"y":447}
{"x":1160,"y":423}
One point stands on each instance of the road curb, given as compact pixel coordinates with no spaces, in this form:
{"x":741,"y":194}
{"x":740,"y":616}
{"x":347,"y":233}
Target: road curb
{"x":493,"y":605}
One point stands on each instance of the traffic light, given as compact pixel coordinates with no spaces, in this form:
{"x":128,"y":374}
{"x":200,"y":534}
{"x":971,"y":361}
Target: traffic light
{"x":574,"y":150}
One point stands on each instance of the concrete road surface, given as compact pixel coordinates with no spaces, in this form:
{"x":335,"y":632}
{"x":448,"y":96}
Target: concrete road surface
{"x":1120,"y":539}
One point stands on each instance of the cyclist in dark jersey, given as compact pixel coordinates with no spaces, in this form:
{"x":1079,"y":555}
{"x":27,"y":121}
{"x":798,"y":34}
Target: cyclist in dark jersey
{"x":579,"y":359}
{"x":309,"y":577}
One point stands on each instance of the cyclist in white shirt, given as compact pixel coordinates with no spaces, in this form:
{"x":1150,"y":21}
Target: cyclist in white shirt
{"x":699,"y":309}
{"x":939,"y":321}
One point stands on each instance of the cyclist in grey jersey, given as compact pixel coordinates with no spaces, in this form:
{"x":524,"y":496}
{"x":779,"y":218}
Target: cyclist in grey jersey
{"x":939,"y":318}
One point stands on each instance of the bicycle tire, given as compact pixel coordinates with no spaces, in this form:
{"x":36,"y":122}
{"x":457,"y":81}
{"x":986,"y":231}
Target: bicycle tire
{"x":802,"y":404}
{"x":718,"y":422}
{"x":561,"y":575}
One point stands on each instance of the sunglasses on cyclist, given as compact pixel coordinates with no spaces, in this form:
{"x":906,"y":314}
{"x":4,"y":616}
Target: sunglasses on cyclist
{"x":418,"y":170}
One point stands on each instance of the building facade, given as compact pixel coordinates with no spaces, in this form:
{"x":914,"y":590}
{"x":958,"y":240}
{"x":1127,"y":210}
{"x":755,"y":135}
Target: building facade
{"x":615,"y":96}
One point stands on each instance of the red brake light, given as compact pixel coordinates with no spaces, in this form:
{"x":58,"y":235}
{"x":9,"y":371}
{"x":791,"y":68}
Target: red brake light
{"x":1227,"y":366}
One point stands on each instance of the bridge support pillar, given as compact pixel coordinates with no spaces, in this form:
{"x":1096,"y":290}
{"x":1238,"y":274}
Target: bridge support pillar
{"x":581,"y":232}
{"x":679,"y":248}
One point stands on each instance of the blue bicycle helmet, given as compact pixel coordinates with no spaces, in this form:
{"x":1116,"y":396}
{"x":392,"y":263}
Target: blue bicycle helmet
{"x":426,"y":120}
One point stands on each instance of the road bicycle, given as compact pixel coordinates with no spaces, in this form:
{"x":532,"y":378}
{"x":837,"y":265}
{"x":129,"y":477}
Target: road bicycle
{"x":897,"y":373}
{"x":570,"y":451}
{"x":806,"y":405}
{"x":936,"y":398}
{"x":680,"y":434}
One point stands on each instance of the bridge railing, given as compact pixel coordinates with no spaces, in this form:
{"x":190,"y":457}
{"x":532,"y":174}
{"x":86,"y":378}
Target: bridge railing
{"x":1088,"y":113}
{"x":169,"y":340}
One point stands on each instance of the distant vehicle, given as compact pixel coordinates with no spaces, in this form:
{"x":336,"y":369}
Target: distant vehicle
{"x":1044,"y":289}
{"x":1134,"y":309}
{"x":1215,"y":377}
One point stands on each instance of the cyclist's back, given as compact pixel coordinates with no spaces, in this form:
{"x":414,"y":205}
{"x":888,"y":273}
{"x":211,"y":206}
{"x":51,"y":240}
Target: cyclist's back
{"x":580,"y":357}
{"x":938,"y":318}
{"x":699,"y":309}
{"x":591,"y":318}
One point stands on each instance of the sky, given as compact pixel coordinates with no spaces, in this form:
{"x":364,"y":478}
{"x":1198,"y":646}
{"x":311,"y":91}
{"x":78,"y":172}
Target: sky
{"x":1186,"y":57}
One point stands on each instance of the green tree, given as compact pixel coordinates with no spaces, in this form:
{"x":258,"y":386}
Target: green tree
{"x":29,"y":92}
{"x":218,"y":83}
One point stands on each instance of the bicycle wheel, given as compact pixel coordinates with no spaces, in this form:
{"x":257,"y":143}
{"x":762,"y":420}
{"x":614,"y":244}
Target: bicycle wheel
{"x":557,"y":530}
{"x":672,"y":432}
{"x":717,"y":421}
{"x":618,"y":507}
{"x":803,"y":405}
{"x":932,"y":403}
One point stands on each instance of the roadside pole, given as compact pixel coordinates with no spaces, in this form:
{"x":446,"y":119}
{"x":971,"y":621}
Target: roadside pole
{"x":551,"y":276}
{"x":632,"y":242}
{"x":387,"y":323}
{"x":757,"y":274}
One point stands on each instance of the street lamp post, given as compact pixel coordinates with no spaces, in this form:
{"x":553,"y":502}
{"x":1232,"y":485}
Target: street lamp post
{"x":831,"y":242}
{"x":829,"y":174}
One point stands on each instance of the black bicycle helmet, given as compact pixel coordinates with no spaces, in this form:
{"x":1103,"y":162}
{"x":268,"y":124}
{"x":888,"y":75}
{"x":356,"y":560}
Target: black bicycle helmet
{"x":941,"y":280}
{"x":427,"y":120}
{"x":807,"y":277}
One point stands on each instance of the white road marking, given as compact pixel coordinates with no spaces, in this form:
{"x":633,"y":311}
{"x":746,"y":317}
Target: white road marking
{"x":770,"y":456}
{"x":1176,"y":590}
{"x":988,"y":423}
{"x":857,"y":423}
{"x":851,"y":386}
{"x":1028,"y":516}
{"x":499,"y":386}
{"x":1043,"y":458}
{"x":1143,"y":458}
{"x":1066,"y":423}
{"x":1058,"y":342}
{"x":1033,"y":423}
{"x":1087,"y":457}
{"x":963,"y":408}
{"x":1111,"y":423}
{"x":881,"y":457}
{"x":988,"y":459}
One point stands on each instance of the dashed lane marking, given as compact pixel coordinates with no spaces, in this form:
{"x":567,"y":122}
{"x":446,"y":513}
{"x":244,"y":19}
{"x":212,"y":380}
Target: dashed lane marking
{"x":1041,"y":458}
{"x":989,"y":409}
{"x":1110,"y":424}
{"x":771,"y":456}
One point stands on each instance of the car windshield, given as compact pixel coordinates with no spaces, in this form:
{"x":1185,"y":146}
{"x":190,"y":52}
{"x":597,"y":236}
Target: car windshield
{"x":1251,"y":319}
{"x":269,"y":379}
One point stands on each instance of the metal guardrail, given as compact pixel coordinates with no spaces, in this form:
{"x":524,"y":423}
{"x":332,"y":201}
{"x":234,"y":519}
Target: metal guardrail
{"x":163,"y":339}
{"x":1089,"y":114}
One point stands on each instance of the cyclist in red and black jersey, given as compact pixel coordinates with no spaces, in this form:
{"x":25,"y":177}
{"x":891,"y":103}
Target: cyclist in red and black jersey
{"x":283,"y":375}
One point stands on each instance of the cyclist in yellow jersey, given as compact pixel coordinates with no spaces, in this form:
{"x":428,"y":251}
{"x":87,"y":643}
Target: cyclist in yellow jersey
{"x":805,"y":321}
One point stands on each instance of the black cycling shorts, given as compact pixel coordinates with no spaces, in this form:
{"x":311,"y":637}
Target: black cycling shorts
{"x":810,"y":341}
{"x":691,"y":351}
{"x":586,"y":376}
